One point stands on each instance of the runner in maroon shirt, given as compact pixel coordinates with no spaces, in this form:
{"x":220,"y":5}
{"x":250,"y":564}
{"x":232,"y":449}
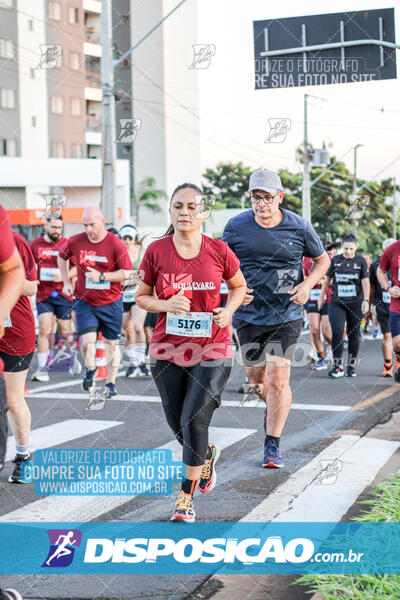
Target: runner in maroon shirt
{"x":390,"y":261}
{"x":11,"y":282}
{"x":16,"y":349}
{"x":186,"y":270}
{"x":50,"y":299}
{"x":102,"y":263}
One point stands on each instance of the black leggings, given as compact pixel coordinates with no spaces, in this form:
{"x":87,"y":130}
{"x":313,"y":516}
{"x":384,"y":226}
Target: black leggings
{"x":338,"y":315}
{"x":189,"y":397}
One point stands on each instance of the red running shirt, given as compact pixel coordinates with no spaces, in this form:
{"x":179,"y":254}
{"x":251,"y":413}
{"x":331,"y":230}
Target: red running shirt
{"x":46,"y":254}
{"x":7,"y":245}
{"x":20,"y":338}
{"x":390,"y":261}
{"x":307,"y":266}
{"x":165,"y":270}
{"x":107,"y":256}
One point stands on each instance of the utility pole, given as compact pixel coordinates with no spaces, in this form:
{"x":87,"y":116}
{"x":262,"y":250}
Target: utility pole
{"x":395,"y":210}
{"x":306,"y":192}
{"x":108,"y":122}
{"x":355,"y":190}
{"x":108,"y":65}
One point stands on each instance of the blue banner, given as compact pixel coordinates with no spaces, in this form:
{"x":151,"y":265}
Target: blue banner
{"x":200,"y":548}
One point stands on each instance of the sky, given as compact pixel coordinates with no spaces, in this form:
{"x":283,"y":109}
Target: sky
{"x":234,"y":116}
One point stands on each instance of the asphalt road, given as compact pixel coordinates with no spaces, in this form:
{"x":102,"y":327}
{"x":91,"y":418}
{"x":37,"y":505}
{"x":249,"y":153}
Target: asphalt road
{"x":324,"y":409}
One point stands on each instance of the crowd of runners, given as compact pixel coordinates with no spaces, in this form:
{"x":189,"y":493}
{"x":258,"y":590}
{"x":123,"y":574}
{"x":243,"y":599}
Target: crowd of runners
{"x":182,"y":307}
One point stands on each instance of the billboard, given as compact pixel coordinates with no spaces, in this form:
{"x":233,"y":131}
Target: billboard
{"x":325,"y":49}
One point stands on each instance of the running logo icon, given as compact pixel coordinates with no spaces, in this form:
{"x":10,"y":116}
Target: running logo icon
{"x":63,"y":543}
{"x":286,"y":280}
{"x":203,"y":54}
{"x":278,"y":129}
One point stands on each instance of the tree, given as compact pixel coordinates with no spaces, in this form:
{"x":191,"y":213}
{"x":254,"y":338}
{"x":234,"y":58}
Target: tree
{"x":228,"y":182}
{"x":148,"y":196}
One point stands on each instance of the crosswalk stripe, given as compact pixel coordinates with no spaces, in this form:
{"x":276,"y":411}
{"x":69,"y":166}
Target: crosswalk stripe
{"x":61,"y":432}
{"x":301,"y":498}
{"x":225,"y":403}
{"x":86,"y":508}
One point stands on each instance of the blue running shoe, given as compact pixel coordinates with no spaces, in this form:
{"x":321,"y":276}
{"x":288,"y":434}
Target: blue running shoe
{"x":88,"y":381}
{"x":272,"y":456}
{"x":112,"y":390}
{"x":22,"y":472}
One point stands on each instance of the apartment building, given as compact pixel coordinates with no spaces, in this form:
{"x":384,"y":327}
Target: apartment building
{"x":50,"y":107}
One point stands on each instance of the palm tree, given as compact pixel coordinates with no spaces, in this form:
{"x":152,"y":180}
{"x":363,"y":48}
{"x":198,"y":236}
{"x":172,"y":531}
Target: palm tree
{"x":148,"y":195}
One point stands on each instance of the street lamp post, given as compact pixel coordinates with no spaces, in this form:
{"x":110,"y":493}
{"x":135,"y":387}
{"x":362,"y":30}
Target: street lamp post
{"x":355,"y":189}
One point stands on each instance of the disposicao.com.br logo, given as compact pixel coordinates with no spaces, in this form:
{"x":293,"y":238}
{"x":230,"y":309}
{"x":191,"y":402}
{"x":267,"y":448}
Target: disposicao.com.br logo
{"x":191,"y":550}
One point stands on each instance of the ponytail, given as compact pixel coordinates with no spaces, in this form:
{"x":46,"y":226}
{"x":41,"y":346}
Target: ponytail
{"x":183,"y":186}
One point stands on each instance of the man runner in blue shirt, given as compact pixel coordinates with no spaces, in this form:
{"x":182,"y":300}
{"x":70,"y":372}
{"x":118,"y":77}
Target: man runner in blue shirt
{"x":270,"y":243}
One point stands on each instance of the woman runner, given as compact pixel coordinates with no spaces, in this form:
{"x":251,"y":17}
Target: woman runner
{"x":191,"y":348}
{"x":133,"y":319}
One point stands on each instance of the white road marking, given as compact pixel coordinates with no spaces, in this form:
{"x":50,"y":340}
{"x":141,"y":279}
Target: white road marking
{"x":156,"y":399}
{"x":302,"y":499}
{"x":61,"y":432}
{"x":86,"y":508}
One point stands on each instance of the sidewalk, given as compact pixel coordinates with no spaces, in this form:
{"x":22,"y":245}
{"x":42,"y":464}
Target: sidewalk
{"x":278,"y":587}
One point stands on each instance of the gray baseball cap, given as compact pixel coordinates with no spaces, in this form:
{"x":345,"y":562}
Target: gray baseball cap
{"x":266,"y":180}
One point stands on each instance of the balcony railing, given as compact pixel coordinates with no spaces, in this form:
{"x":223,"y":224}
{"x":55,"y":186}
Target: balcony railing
{"x":91,"y":35}
{"x":93,"y":123}
{"x":93,"y":81}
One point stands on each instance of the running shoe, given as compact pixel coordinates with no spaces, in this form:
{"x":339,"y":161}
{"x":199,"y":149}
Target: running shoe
{"x":184,"y":512}
{"x":143,"y":370}
{"x":22,"y":469}
{"x":130,"y":371}
{"x":10,"y":594}
{"x":387,"y":371}
{"x":88,"y":381}
{"x":351,"y":372}
{"x":320,"y":365}
{"x":272,"y":456}
{"x":336,"y":372}
{"x":76,"y":368}
{"x":41,"y":375}
{"x":112,"y":390}
{"x":208,"y":477}
{"x":397,"y":370}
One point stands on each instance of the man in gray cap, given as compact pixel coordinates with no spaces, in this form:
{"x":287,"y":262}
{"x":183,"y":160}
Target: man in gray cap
{"x":270,"y":243}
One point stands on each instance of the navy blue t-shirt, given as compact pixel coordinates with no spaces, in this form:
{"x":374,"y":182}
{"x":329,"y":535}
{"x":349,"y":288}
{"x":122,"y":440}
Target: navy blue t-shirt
{"x":271,"y":262}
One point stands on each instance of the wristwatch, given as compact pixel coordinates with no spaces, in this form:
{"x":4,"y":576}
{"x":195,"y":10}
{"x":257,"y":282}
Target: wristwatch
{"x":388,"y":288}
{"x":102,"y":278}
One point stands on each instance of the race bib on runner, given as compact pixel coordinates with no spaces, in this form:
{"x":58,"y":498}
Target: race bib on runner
{"x":96,"y":285}
{"x":315,"y":295}
{"x":224,"y":288}
{"x":7,"y":322}
{"x":190,"y":324}
{"x":47,"y":273}
{"x":128,"y":296}
{"x":386,"y":297}
{"x":347,"y":291}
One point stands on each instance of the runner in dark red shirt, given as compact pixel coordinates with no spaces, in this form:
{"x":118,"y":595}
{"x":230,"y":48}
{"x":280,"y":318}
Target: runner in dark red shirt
{"x":50,"y":299}
{"x":186,"y":270}
{"x":11,"y":282}
{"x":390,"y":262}
{"x":16,"y":350}
{"x":102,"y":263}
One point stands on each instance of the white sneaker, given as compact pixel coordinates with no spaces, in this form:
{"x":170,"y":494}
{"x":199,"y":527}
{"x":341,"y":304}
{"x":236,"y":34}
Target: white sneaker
{"x":41,"y":375}
{"x":76,"y":368}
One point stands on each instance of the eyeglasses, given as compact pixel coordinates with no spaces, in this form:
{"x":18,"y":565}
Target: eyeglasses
{"x":257,"y":199}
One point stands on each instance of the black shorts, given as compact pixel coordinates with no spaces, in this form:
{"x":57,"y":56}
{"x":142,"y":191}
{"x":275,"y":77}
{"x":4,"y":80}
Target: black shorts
{"x":128,"y":305}
{"x":258,"y":340}
{"x":383,"y":319}
{"x":14,"y":364}
{"x":312,"y":307}
{"x":151,"y":320}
